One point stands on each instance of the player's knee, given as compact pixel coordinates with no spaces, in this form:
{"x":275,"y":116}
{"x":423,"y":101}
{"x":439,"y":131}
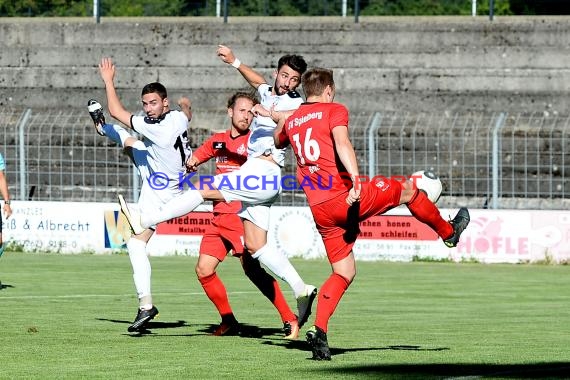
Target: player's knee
{"x":408,"y":193}
{"x":349,"y":277}
{"x":204,"y":270}
{"x":252,"y":246}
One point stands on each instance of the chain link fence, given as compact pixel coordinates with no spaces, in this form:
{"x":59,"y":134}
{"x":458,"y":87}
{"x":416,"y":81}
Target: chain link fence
{"x":485,"y":160}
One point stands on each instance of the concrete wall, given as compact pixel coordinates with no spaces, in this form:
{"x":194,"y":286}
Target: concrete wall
{"x":448,"y":64}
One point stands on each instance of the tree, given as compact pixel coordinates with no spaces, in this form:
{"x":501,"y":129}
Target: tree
{"x":140,"y":8}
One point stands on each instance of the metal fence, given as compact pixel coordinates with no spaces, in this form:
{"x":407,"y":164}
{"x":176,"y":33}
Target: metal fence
{"x":498,"y":160}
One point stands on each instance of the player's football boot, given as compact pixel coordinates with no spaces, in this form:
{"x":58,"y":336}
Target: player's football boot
{"x":96,"y":112}
{"x":142,"y":318}
{"x":133,"y":216}
{"x":291,"y":329}
{"x":459,"y":223}
{"x":317,"y":339}
{"x":229,"y":326}
{"x":304,"y":304}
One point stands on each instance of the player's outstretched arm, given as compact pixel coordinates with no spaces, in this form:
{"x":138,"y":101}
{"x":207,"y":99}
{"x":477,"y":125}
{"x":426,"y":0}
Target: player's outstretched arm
{"x":116,"y":109}
{"x":251,"y":76}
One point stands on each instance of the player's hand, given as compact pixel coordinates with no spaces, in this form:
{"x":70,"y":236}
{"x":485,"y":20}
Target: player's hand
{"x":225,"y":54}
{"x":191,"y":165}
{"x":107,"y":70}
{"x":259,"y":110}
{"x":353,"y":196}
{"x":7,"y":210}
{"x":184,"y":102}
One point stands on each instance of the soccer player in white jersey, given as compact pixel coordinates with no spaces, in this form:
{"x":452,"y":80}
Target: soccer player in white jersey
{"x":263,"y":168}
{"x":160,"y":156}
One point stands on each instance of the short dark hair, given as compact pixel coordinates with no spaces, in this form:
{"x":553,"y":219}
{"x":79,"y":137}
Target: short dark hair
{"x":242,"y":94}
{"x":296,"y":62}
{"x":316,"y":80}
{"x":153,"y":88}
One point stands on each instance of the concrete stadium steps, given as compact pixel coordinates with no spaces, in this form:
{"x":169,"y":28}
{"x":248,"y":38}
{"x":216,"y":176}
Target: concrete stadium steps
{"x":357,"y":101}
{"x":413,"y":63}
{"x":347,"y":79}
{"x":402,"y":32}
{"x":327,"y":55}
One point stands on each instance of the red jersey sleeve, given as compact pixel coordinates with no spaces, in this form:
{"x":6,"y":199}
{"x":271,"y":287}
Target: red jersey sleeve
{"x":206,"y":150}
{"x":338,"y":116}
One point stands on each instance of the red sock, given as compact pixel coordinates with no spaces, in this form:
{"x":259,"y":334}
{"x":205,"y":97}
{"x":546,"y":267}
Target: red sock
{"x":425,"y":211}
{"x":216,"y":292}
{"x":268,"y":286}
{"x":329,"y":296}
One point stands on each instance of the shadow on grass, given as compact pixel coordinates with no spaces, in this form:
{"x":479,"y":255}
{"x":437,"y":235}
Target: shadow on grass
{"x":150,"y":325}
{"x":247,"y":331}
{"x":552,"y":370}
{"x":4,"y":286}
{"x":304,"y":346}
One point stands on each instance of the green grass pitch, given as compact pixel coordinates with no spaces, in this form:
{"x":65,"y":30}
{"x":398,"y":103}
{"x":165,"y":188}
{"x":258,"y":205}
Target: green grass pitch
{"x":66,"y":316}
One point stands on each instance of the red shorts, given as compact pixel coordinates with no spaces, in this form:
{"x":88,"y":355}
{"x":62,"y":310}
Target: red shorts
{"x":225,"y":234}
{"x":338,"y":223}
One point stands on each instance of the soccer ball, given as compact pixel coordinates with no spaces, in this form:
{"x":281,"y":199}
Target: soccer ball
{"x":429,"y":183}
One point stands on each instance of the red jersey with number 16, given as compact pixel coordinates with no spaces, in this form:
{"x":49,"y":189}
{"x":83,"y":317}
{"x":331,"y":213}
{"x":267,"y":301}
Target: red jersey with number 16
{"x":309,"y":130}
{"x":230,"y":153}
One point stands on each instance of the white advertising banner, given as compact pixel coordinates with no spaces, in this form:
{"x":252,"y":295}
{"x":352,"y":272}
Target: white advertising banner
{"x":65,"y":227}
{"x":493,"y":236}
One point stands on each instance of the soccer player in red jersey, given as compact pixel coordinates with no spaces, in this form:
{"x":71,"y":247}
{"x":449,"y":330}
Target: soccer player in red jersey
{"x":318,"y":134}
{"x":225,"y":234}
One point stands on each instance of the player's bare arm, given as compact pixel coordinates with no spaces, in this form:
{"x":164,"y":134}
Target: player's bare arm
{"x":279,"y":136}
{"x":279,"y":116}
{"x":347,"y":156}
{"x":185,"y":105}
{"x":276,"y":116}
{"x":251,"y":76}
{"x":116,"y":109}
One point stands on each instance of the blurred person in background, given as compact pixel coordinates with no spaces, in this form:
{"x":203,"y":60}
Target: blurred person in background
{"x":6,"y":196}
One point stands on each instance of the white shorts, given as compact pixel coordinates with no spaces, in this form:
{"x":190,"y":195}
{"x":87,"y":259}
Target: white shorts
{"x":257,"y":184}
{"x":150,"y":199}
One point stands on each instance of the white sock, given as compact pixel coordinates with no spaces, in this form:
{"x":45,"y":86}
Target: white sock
{"x":279,"y":264}
{"x":116,"y":133}
{"x":141,"y":268}
{"x":177,"y":206}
